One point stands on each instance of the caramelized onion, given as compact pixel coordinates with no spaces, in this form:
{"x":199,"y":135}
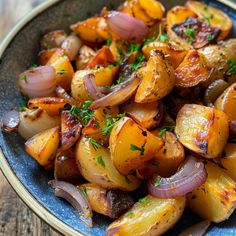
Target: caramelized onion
{"x":119,"y":96}
{"x":192,"y":175}
{"x":53,"y":39}
{"x":38,"y":82}
{"x":127,"y":27}
{"x":198,"y":229}
{"x":75,"y":197}
{"x":10,"y":121}
{"x":61,"y":93}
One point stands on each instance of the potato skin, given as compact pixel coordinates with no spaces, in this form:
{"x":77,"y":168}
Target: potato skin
{"x":153,"y":217}
{"x":226,"y":102}
{"x":125,"y":134}
{"x":107,"y":177}
{"x":215,"y":200}
{"x":203,"y":130}
{"x":157,"y":79}
{"x":85,"y":55}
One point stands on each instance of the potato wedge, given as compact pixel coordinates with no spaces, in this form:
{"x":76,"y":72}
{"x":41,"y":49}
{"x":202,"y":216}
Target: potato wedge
{"x":192,"y":71}
{"x":167,"y":160}
{"x":149,"y":216}
{"x":203,"y":130}
{"x":214,"y":16}
{"x":85,"y":55}
{"x":65,"y":167}
{"x":173,"y":50}
{"x":52,"y":105}
{"x":215,"y":200}
{"x":226,"y":102}
{"x":34,"y":121}
{"x":178,"y":14}
{"x":96,"y":166}
{"x":111,"y":203}
{"x":43,"y":146}
{"x":131,"y":145}
{"x":153,"y":8}
{"x":148,"y":116}
{"x":157,"y":79}
{"x":45,"y":55}
{"x":64,"y":69}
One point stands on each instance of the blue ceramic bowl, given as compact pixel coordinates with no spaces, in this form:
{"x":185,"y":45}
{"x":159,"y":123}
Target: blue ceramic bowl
{"x":18,"y":52}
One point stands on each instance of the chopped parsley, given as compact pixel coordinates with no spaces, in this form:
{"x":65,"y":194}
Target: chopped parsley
{"x":33,"y":66}
{"x":191,"y":33}
{"x":162,"y":37}
{"x":157,"y":181}
{"x":129,"y":214}
{"x":150,"y":40}
{"x":100,"y":161}
{"x":210,"y":38}
{"x":231,"y":67}
{"x":136,"y":148}
{"x":134,"y":48}
{"x":84,"y":190}
{"x":205,"y":7}
{"x":24,"y":77}
{"x":23,"y":106}
{"x":144,"y":200}
{"x":163,"y":130}
{"x":138,"y":63}
{"x":120,"y":80}
{"x":109,"y":40}
{"x":60,"y":72}
{"x":95,"y":144}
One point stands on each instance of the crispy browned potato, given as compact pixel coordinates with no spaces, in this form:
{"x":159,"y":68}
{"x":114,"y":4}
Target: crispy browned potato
{"x":192,"y":71}
{"x":64,"y":69}
{"x":52,"y":105}
{"x":94,"y":162}
{"x":45,"y":55}
{"x":174,"y":51}
{"x":149,"y":116}
{"x":131,"y":145}
{"x":150,"y":216}
{"x":70,"y":130}
{"x":213,"y":16}
{"x":167,"y":160}
{"x":215,"y":200}
{"x":65,"y":167}
{"x":85,"y":55}
{"x":203,"y":130}
{"x":226,"y":102}
{"x":43,"y":146}
{"x":111,"y":203}
{"x":157,"y":79}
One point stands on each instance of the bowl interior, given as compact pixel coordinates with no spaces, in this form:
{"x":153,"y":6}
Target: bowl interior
{"x":19,"y":55}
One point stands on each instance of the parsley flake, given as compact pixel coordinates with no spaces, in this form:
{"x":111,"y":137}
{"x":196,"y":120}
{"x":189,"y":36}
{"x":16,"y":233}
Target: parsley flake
{"x":60,"y":72}
{"x":144,"y":200}
{"x":138,"y":63}
{"x":100,"y":161}
{"x":210,"y":38}
{"x":163,"y":130}
{"x":191,"y":33}
{"x":157,"y":181}
{"x":134,"y":48}
{"x":231,"y":68}
{"x":95,"y":144}
{"x":24,"y":77}
{"x":129,"y":214}
{"x":136,"y":148}
{"x":23,"y":106}
{"x":162,"y":37}
{"x":109,"y":40}
{"x":120,"y":80}
{"x":150,"y":40}
{"x":84,"y":190}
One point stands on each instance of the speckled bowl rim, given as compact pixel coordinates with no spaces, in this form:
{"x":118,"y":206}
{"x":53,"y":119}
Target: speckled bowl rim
{"x":6,"y":169}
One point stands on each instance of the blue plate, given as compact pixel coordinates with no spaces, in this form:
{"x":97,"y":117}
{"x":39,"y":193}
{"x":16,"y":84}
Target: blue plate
{"x":18,"y":52}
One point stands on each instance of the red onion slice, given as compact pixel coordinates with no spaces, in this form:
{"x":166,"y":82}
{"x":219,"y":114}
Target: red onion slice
{"x":38,"y":82}
{"x":10,"y":121}
{"x":192,"y":176}
{"x":75,"y":197}
{"x":91,"y":87}
{"x":121,"y":95}
{"x":127,"y":27}
{"x":198,"y":229}
{"x":61,"y":93}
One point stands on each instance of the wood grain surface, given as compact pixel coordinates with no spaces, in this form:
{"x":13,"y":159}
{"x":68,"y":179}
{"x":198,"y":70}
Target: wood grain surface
{"x":16,"y":219}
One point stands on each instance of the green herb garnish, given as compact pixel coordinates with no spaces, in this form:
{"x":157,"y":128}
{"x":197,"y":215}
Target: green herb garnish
{"x":120,"y":80}
{"x":60,"y":72}
{"x":134,"y":48}
{"x":138,"y":63}
{"x":109,"y":40}
{"x":162,"y":37}
{"x":100,"y":161}
{"x":136,"y":148}
{"x":150,"y":40}
{"x":84,"y":190}
{"x":129,"y":214}
{"x":191,"y":33}
{"x":95,"y":144}
{"x":231,"y":68}
{"x":23,"y":106}
{"x":144,"y":200}
{"x":163,"y":130}
{"x":24,"y":77}
{"x":157,"y":181}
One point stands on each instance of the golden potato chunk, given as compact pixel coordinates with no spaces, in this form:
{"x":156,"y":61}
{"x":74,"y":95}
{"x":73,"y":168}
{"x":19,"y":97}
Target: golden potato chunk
{"x":215,"y":200}
{"x":157,"y":79}
{"x":150,"y":216}
{"x":43,"y":146}
{"x":85,"y":55}
{"x":131,"y":145}
{"x":94,"y":162}
{"x":203,"y":130}
{"x":226,"y":102}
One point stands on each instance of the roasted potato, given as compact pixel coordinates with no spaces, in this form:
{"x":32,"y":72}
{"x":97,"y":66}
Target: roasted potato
{"x":215,"y":200}
{"x":64,"y":69}
{"x":131,"y":145}
{"x":96,"y":166}
{"x":45,"y":55}
{"x":85,"y":55}
{"x":192,"y":70}
{"x":149,"y":216}
{"x":111,"y":203}
{"x":149,"y":116}
{"x":157,"y":79}
{"x":212,"y":16}
{"x":34,"y":121}
{"x":217,"y":58}
{"x":52,"y":105}
{"x":43,"y":146}
{"x":172,"y":50}
{"x":203,"y":130}
{"x":53,"y":39}
{"x":65,"y":167}
{"x":167,"y":160}
{"x":226,"y":102}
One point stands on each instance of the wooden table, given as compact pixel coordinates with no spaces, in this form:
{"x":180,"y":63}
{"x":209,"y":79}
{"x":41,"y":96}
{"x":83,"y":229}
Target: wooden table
{"x":16,"y":219}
